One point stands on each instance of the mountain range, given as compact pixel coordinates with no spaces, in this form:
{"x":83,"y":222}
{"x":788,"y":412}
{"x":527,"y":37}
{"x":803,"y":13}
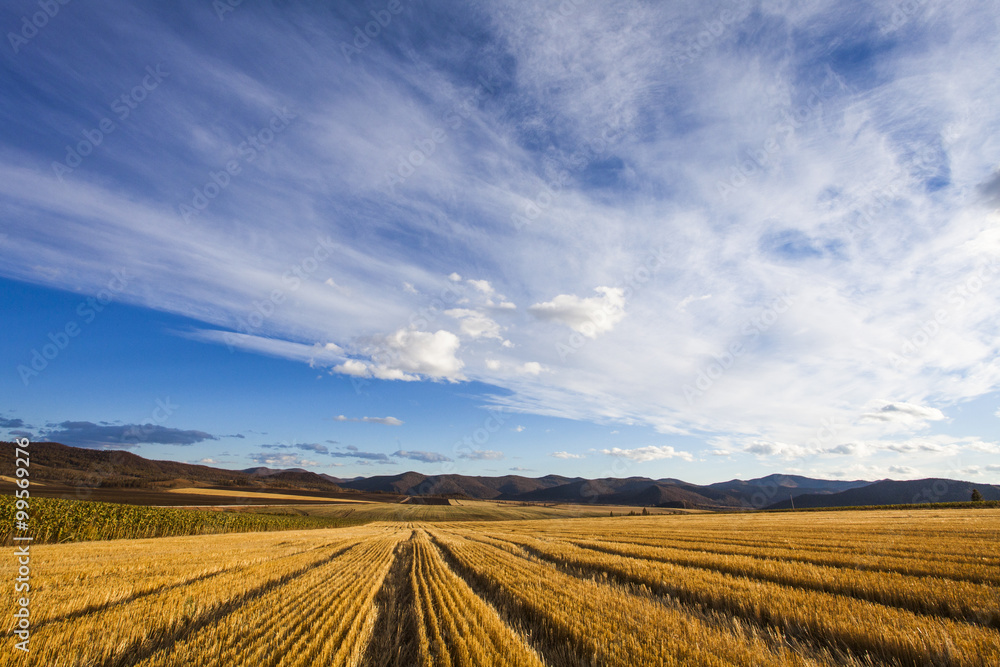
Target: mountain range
{"x":66,"y":466}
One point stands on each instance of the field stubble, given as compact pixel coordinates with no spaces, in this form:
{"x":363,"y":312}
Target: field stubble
{"x":846,"y":588}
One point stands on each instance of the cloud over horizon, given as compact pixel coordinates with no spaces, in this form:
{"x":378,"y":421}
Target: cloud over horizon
{"x":91,"y":435}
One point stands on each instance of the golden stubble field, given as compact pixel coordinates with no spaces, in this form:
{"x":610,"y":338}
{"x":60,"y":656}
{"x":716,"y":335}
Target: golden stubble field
{"x":821,"y":588}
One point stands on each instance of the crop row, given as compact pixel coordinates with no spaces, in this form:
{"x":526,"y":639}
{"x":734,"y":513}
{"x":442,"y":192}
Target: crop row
{"x":324,"y":617}
{"x":925,"y":595}
{"x":151,"y":621}
{"x":455,"y":626}
{"x":917,"y":561}
{"x":576,"y":620}
{"x":59,"y":520}
{"x":940,"y":547}
{"x":79,"y":578}
{"x":936,"y":533}
{"x":855,"y":626}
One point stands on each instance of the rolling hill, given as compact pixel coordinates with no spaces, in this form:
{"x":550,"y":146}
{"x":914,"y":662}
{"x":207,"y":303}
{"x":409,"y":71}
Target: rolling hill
{"x":76,"y":466}
{"x":54,"y":463}
{"x":891,"y":492}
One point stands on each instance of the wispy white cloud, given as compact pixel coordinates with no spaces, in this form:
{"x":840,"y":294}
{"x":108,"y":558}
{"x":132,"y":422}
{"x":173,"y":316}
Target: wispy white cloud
{"x":425,"y":457}
{"x":567,"y":455}
{"x":871,"y":209}
{"x":313,"y":354}
{"x":688,"y":300}
{"x":281,"y":460}
{"x":649,"y":453}
{"x":481,"y":455}
{"x":907,"y":414}
{"x":388,"y":421}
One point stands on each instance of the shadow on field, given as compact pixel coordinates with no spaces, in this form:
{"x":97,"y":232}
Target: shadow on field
{"x":394,"y":639}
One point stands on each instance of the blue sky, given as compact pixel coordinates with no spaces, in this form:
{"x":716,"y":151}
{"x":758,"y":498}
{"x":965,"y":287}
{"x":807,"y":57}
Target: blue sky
{"x":700,"y":241}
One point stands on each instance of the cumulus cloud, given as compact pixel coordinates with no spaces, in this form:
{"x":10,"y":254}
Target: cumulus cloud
{"x":89,"y":434}
{"x":936,"y":444}
{"x":530,"y":368}
{"x":388,"y":421}
{"x":846,"y":449}
{"x":475,"y":324}
{"x":906,"y":414}
{"x":426,"y":457}
{"x":481,"y":455}
{"x":489,"y":297}
{"x":567,"y":455}
{"x":783,"y":450}
{"x":355,"y":453}
{"x":353,"y":367}
{"x":407,"y":355}
{"x":589,"y":316}
{"x":483,"y":286}
{"x":649,"y":453}
{"x":975,"y":444}
{"x":281,"y":460}
{"x":309,"y":447}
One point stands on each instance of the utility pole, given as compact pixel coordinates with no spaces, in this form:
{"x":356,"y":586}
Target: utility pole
{"x":792,"y":500}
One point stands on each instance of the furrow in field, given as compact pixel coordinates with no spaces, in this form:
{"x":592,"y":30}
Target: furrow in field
{"x":884,"y":541}
{"x":147,"y":624}
{"x":323,"y":617}
{"x":978,"y":543}
{"x":466,"y":630}
{"x":909,"y":547}
{"x":959,"y":600}
{"x":80,"y":579}
{"x":578,"y":621}
{"x":394,"y":638}
{"x":856,"y":626}
{"x":975,"y":570}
